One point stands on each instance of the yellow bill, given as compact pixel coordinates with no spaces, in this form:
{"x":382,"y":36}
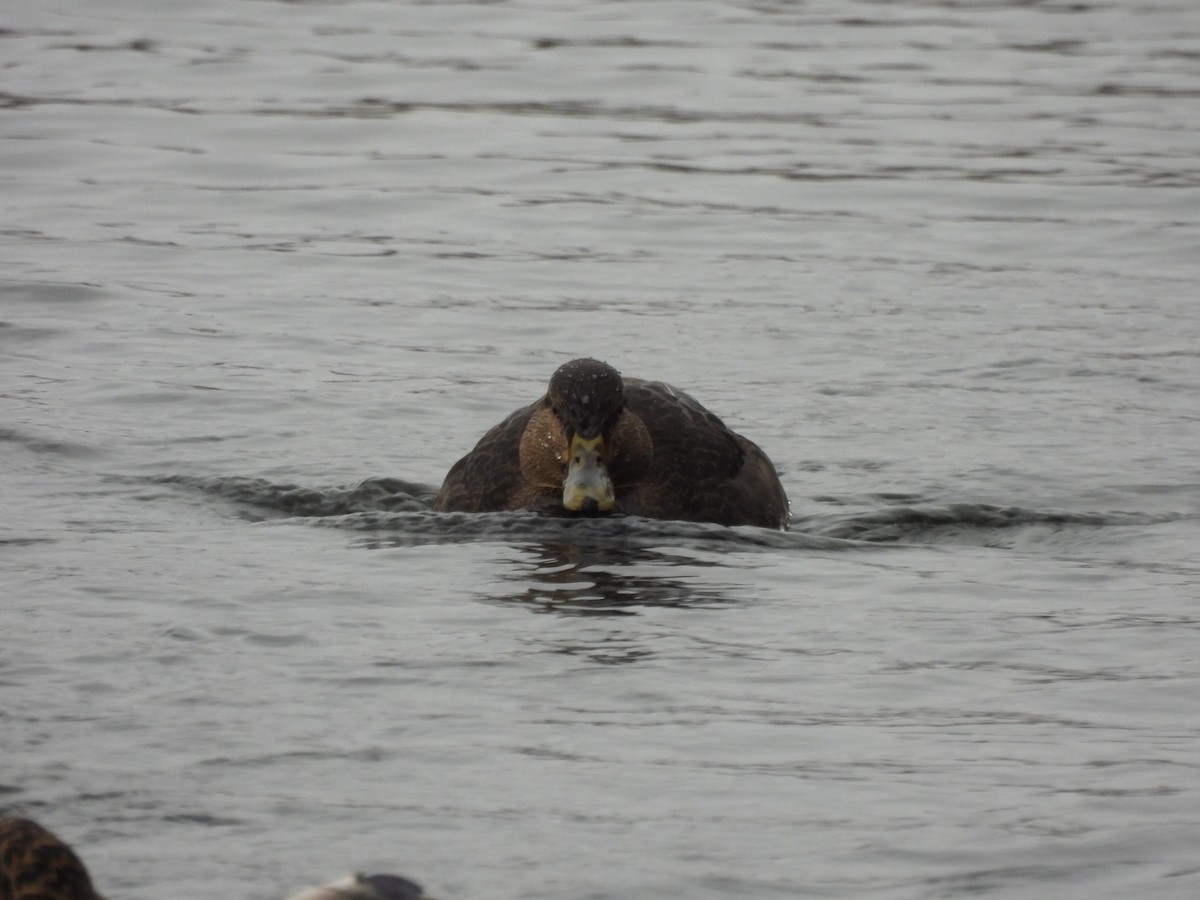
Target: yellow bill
{"x":588,"y":487}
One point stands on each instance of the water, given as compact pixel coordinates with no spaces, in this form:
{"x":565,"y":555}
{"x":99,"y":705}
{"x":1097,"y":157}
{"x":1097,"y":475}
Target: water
{"x":269,"y":268}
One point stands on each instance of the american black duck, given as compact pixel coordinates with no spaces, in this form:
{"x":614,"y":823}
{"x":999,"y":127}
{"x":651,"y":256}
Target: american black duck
{"x":37,"y":865}
{"x":598,"y":443}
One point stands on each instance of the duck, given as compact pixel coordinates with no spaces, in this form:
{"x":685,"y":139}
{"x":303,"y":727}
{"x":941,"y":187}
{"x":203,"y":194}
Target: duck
{"x":37,"y":865}
{"x":598,"y":443}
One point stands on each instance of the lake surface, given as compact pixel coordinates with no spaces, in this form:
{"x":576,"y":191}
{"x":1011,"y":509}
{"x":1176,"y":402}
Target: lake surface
{"x":269,"y":268}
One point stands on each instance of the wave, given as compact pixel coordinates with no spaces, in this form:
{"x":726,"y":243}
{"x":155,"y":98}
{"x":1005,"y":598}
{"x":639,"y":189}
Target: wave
{"x":259,"y":498}
{"x":969,"y":523}
{"x":395,"y":512}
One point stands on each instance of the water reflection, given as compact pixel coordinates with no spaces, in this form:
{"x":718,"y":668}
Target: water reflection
{"x":579,"y":580}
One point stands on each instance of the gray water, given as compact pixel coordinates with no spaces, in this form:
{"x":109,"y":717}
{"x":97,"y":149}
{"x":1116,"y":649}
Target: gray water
{"x":269,"y":268}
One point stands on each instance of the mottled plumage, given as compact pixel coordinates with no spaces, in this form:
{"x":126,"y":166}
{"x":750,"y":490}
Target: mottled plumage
{"x":597,"y":442}
{"x":36,"y":865}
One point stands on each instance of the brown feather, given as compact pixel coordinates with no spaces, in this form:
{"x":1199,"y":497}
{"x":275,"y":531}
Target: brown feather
{"x":36,"y":865}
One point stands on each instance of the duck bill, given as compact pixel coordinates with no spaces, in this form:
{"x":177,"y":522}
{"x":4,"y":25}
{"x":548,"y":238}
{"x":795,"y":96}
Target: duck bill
{"x":588,"y":487}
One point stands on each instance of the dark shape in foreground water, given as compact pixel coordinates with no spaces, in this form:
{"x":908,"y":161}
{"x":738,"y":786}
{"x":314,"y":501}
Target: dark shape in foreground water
{"x":36,"y":864}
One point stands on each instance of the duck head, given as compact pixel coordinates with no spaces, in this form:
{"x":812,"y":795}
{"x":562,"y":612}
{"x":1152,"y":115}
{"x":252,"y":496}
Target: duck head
{"x":587,"y":397}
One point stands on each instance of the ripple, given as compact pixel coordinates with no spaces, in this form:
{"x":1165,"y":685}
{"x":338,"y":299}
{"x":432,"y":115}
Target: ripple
{"x":967,"y":523}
